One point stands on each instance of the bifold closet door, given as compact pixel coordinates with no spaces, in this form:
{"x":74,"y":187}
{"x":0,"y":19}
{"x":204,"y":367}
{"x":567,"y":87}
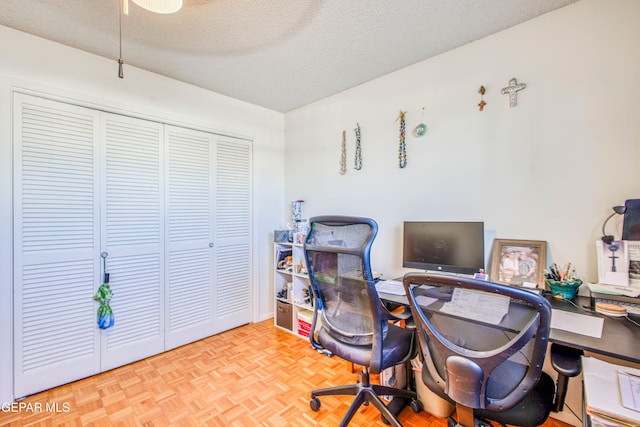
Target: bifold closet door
{"x":233,"y":234}
{"x":133,"y":237}
{"x":190,"y":178}
{"x":209,"y":282}
{"x":165,"y":211}
{"x":56,"y":242}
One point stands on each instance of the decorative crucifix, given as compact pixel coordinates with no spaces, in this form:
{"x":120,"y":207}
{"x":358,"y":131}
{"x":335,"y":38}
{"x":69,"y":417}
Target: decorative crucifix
{"x":613,"y":248}
{"x":512,"y":90}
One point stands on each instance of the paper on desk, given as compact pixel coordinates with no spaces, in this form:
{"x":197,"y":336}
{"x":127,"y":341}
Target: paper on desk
{"x":632,"y":290}
{"x":392,"y":287}
{"x":425,"y":301}
{"x":629,"y":389}
{"x":602,"y":392}
{"x":475,"y":305}
{"x":634,"y":256}
{"x":577,"y":323}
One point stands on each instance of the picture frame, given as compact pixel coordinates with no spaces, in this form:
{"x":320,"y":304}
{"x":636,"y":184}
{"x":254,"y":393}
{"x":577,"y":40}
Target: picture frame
{"x":299,"y":238}
{"x":519,"y":262}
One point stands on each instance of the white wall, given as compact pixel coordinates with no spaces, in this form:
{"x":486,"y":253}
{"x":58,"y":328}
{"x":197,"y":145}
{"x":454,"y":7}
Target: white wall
{"x":41,"y":65}
{"x":549,"y":169}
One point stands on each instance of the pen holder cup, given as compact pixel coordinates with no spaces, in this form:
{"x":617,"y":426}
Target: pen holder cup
{"x":566,"y":290}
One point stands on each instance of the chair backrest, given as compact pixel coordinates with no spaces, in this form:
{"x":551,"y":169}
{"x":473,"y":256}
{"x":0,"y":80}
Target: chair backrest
{"x":483,"y":343}
{"x":337,"y":252}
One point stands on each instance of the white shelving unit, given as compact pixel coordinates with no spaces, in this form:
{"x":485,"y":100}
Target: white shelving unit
{"x":293,"y":305}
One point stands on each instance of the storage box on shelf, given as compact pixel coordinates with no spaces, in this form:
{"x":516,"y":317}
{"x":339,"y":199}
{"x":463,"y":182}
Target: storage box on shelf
{"x":305,"y":318}
{"x":293,"y":305}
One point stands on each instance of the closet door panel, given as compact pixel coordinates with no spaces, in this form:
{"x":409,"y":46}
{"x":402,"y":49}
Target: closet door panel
{"x":133,"y":238}
{"x":189,"y":236}
{"x":233,"y":282}
{"x":56,"y":235}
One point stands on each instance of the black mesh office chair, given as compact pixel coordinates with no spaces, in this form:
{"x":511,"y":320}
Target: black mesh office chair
{"x":349,"y":318}
{"x":489,"y":366}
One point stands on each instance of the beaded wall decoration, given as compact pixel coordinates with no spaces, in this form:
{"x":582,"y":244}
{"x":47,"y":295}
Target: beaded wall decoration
{"x":402,"y":150}
{"x":358,"y":160}
{"x":343,"y":156}
{"x":481,"y":104}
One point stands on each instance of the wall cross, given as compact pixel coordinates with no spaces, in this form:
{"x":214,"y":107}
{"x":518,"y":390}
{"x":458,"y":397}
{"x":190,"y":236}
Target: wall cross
{"x":512,"y":90}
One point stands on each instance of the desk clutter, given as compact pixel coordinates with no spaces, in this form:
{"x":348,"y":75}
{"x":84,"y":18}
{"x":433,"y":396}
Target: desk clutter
{"x":611,"y":393}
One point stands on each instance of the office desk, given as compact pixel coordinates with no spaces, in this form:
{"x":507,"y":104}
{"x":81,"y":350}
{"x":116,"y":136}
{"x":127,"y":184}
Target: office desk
{"x":620,"y":338}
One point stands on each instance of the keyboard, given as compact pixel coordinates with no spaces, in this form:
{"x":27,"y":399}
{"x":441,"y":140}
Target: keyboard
{"x":632,"y":308}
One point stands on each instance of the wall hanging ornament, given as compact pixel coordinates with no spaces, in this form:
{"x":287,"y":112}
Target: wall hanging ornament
{"x":512,"y":90}
{"x":103,"y":296}
{"x":481,"y":104}
{"x":421,"y":129}
{"x":343,"y":154}
{"x":402,"y":151}
{"x":296,"y":213}
{"x":358,"y":160}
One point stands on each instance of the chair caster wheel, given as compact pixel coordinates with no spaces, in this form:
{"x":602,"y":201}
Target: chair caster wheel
{"x":314,"y":403}
{"x":416,"y":406}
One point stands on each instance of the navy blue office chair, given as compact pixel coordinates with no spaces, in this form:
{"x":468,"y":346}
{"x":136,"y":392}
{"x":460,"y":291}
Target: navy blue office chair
{"x":350,"y":320}
{"x":490,"y":371}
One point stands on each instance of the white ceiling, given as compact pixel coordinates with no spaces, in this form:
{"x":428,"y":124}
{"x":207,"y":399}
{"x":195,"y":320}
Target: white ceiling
{"x":280,"y":54}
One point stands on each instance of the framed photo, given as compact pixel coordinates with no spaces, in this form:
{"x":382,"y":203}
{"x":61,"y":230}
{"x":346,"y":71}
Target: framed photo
{"x":299,"y":238}
{"x":519,"y":262}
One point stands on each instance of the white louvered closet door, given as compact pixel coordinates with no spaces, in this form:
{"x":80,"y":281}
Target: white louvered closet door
{"x":233,"y":234}
{"x":133,"y":238}
{"x":56,"y":238}
{"x":169,"y":207}
{"x":189,"y":236}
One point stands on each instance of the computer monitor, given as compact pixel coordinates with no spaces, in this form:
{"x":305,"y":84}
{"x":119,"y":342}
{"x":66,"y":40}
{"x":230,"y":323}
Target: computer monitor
{"x":448,"y":247}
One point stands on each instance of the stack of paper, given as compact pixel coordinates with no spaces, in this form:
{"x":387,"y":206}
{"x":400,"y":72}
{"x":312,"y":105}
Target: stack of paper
{"x":393,"y":287}
{"x":603,"y":396}
{"x":629,"y":291}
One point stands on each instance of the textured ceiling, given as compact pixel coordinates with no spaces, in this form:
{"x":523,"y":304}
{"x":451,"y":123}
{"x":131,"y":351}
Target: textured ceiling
{"x":280,"y":54}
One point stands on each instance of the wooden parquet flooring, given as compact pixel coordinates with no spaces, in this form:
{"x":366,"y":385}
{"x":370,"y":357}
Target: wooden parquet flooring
{"x":255,"y":375}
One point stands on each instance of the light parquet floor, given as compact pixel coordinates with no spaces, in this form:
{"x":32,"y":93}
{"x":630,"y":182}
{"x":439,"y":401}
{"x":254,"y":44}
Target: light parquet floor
{"x":255,"y":375}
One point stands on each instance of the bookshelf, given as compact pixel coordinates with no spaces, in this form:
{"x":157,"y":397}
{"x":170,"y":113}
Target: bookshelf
{"x":293,"y":305}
